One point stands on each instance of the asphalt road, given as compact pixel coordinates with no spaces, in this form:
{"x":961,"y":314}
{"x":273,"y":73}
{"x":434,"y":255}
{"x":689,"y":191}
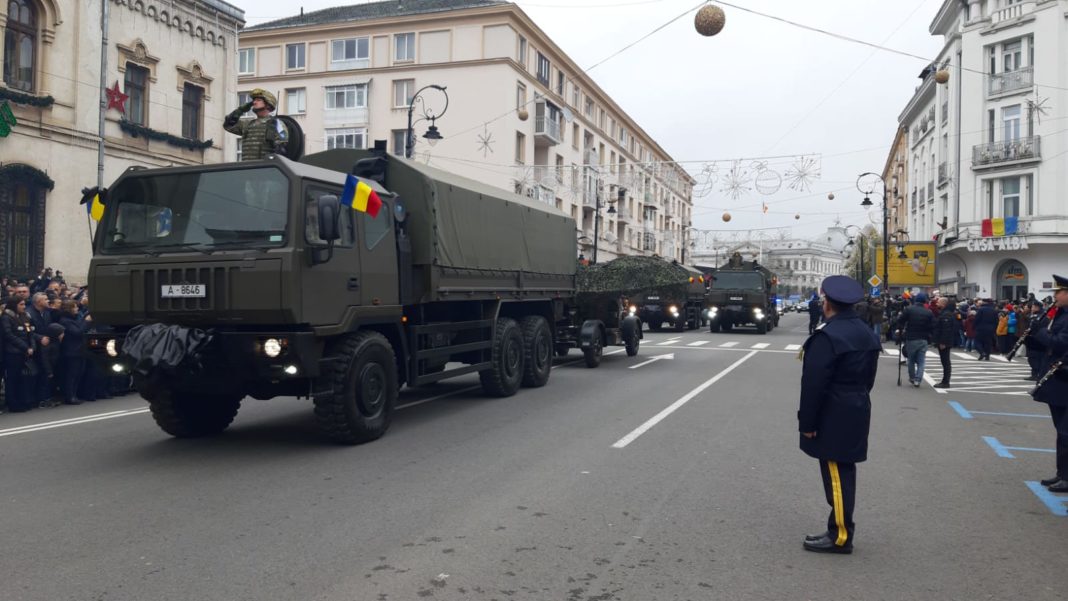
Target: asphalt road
{"x":564,"y":493}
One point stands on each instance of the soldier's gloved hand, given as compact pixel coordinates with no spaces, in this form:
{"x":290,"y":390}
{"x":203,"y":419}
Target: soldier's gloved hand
{"x":246,"y":107}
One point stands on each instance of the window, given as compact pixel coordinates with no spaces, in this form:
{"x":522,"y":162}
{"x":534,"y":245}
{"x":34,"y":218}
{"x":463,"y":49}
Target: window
{"x":589,"y":107}
{"x":543,"y":69}
{"x":404,"y":47}
{"x":1011,"y":54}
{"x":245,"y":98}
{"x":575,"y":94}
{"x":575,"y":136}
{"x":374,"y":228}
{"x":403,"y":90}
{"x":520,"y":148}
{"x":192,"y":111}
{"x":398,"y":141}
{"x":1010,"y":117}
{"x":296,"y":101}
{"x":346,"y":97}
{"x":523,"y":51}
{"x":560,"y":83}
{"x":346,"y":138}
{"x":22,"y":210}
{"x":136,"y":85}
{"x":295,"y":56}
{"x":520,"y":96}
{"x":350,"y":49}
{"x":20,"y":44}
{"x":246,"y":61}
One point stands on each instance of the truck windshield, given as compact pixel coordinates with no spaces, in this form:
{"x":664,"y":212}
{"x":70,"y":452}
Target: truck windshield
{"x":200,"y":211}
{"x":737,"y":280}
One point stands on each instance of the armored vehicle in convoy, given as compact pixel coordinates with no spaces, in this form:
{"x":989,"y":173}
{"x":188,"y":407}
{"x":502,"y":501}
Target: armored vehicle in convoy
{"x":680,"y":307}
{"x":216,"y":282}
{"x":742,"y":293}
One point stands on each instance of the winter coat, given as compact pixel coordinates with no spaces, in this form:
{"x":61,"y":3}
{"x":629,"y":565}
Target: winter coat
{"x":17,"y":332}
{"x":74,"y":337}
{"x":1003,"y":325}
{"x":969,"y":325}
{"x":1052,"y":333}
{"x":1011,"y":322}
{"x":986,"y":321}
{"x":946,"y":328}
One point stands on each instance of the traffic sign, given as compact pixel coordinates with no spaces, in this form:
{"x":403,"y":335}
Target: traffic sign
{"x":875,"y":281}
{"x":875,"y":291}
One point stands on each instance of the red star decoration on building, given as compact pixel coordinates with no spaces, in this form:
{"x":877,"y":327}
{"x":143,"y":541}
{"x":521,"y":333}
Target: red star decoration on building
{"x":116,"y":99}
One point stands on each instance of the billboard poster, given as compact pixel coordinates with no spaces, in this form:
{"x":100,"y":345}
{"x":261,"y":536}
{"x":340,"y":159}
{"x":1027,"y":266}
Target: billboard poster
{"x":916,"y":269}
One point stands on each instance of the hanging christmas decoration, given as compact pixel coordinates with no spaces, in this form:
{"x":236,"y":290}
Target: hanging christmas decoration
{"x":706,"y":180}
{"x":709,"y":20}
{"x":726,"y":217}
{"x":116,"y":98}
{"x":485,"y":142}
{"x":830,"y":196}
{"x":1036,"y":107}
{"x":803,"y":172}
{"x":767,"y":181}
{"x":942,"y":76}
{"x":522,"y":114}
{"x":797,"y":216}
{"x":737,"y":182}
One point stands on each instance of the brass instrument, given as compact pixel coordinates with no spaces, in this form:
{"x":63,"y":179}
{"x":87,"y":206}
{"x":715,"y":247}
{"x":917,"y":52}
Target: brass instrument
{"x":1049,"y":374}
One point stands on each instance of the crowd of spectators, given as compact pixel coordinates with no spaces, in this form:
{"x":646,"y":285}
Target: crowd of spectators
{"x":43,"y":359}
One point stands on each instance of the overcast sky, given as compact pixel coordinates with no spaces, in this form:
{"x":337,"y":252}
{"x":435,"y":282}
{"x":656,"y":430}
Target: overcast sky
{"x":759,"y":88}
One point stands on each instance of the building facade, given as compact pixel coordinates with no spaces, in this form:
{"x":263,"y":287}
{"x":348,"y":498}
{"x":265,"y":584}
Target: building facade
{"x":996,"y":161}
{"x":896,"y":175}
{"x":174,"y":60}
{"x":521,"y":115}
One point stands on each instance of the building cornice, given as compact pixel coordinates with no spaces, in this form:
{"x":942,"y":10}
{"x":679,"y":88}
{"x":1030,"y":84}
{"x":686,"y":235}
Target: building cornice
{"x":950,"y":10}
{"x":923,"y":95}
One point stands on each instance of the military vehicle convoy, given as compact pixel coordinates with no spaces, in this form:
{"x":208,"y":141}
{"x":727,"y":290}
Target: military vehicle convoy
{"x":680,"y":307}
{"x":742,"y":293}
{"x":212,"y":283}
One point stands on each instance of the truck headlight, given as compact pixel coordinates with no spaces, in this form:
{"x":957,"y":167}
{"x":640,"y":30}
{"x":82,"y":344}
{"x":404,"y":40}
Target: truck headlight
{"x":673,"y":309}
{"x":712,"y":310}
{"x":112,"y":348}
{"x":633,"y":309}
{"x":272,"y":347}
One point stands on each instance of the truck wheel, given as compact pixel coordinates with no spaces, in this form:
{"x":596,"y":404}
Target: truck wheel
{"x":762,"y":326}
{"x":537,"y":351}
{"x":504,"y":377}
{"x":192,"y":415}
{"x":592,"y":353}
{"x":726,"y":326}
{"x":656,"y":325}
{"x":713,"y":325}
{"x":361,"y":387}
{"x":680,"y":324}
{"x":632,"y":343}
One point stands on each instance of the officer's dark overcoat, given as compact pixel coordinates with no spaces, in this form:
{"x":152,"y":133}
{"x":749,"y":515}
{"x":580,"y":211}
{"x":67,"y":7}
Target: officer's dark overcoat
{"x":1052,"y":334}
{"x":840,"y":361}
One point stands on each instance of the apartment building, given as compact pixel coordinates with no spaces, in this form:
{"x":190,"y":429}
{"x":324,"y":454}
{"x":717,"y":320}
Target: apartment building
{"x":895,"y":174}
{"x":987,"y":150}
{"x":521,"y":115}
{"x":173,"y":59}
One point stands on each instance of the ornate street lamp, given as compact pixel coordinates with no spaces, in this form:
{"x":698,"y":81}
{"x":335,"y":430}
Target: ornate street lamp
{"x":432,"y":134}
{"x":867,"y":183}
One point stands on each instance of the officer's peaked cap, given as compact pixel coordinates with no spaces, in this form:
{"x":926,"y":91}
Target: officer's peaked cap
{"x":1060,"y":282}
{"x":843,"y":290}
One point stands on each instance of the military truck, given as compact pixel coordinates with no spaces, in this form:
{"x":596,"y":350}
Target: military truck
{"x":681,"y":307}
{"x":216,"y":282}
{"x":742,"y":293}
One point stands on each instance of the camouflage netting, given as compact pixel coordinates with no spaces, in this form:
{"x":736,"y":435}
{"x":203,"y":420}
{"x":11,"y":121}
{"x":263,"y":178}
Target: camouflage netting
{"x":629,"y":275}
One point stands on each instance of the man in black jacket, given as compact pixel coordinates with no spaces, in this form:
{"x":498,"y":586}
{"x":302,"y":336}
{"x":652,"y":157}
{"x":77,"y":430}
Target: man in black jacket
{"x":918,"y":323}
{"x":986,"y":324}
{"x":945,"y":336}
{"x":840,"y":361}
{"x":815,"y":311}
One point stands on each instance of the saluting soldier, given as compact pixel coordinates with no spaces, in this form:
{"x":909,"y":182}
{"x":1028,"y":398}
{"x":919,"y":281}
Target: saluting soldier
{"x":840,"y":360}
{"x":265,"y":134}
{"x":1052,"y":334}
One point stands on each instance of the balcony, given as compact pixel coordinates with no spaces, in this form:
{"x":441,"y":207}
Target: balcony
{"x":1013,"y":11}
{"x":1017,"y":151}
{"x":1010,"y":81}
{"x":649,"y":227}
{"x":622,"y":214}
{"x":546,"y":124}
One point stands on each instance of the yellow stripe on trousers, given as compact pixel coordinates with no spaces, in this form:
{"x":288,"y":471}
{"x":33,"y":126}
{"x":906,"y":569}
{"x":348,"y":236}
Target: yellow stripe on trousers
{"x":839,"y":505}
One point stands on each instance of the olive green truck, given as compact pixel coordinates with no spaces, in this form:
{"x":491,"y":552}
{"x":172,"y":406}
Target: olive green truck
{"x":215,"y":283}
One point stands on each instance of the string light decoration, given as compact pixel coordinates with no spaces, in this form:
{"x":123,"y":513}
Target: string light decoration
{"x":485,"y":142}
{"x":767,"y":181}
{"x":803,"y":172}
{"x":738,"y":182}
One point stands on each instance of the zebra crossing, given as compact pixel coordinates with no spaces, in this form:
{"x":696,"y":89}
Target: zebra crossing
{"x":997,"y":376}
{"x":730,"y":344}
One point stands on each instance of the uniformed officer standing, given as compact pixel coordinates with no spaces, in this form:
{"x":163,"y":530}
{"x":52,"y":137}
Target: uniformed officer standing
{"x":263,"y":135}
{"x":840,"y":361}
{"x":815,"y":310}
{"x":1052,"y":333}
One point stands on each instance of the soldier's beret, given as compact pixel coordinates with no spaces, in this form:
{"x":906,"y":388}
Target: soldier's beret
{"x":842,"y":289}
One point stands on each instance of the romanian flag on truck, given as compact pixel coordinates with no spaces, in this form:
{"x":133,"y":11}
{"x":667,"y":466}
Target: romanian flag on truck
{"x":1000,"y":227}
{"x":361,"y":196}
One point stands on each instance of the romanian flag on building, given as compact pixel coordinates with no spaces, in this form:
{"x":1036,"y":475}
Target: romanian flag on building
{"x":1000,"y":227}
{"x":361,"y":196}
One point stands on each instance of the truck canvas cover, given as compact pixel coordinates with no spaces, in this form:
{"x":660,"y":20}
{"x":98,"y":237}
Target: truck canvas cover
{"x":460,"y":223}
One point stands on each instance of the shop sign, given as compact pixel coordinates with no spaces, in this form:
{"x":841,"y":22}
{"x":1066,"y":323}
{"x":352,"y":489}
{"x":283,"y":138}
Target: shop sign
{"x":997,"y":244}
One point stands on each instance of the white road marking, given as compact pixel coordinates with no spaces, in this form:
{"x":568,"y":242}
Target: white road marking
{"x":668,"y":356}
{"x":793,"y":347}
{"x":893,"y":352}
{"x":1000,"y":358}
{"x":932,"y":355}
{"x":964,"y":355}
{"x":70,"y":422}
{"x":699,"y":343}
{"x":642,"y":429}
{"x":761,"y":345}
{"x":667,"y":342}
{"x":728,"y":344}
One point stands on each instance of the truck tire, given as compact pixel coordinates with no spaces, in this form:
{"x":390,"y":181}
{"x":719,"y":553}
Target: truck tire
{"x":680,"y":323}
{"x":631,"y":344}
{"x":726,"y":326}
{"x":762,"y":326}
{"x":537,"y":351}
{"x":592,"y":354}
{"x":713,"y":326}
{"x":361,"y":389}
{"x":656,"y":325}
{"x":504,"y":378}
{"x":191,"y":415}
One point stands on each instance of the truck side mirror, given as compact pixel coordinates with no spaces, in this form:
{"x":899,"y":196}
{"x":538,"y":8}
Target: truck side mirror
{"x":329,"y":209}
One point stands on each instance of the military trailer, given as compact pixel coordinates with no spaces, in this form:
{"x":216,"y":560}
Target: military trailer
{"x":742,"y":293}
{"x":680,"y":307}
{"x":217,"y":282}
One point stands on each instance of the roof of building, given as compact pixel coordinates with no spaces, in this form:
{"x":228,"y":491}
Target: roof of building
{"x":372,"y":10}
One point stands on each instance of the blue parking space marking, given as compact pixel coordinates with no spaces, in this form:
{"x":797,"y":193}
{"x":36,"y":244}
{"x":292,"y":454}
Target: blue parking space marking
{"x":1006,"y":452}
{"x":1057,"y":504}
{"x":968,"y":414}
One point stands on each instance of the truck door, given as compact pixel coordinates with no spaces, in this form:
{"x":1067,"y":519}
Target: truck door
{"x":330,"y":287}
{"x":378,"y":257}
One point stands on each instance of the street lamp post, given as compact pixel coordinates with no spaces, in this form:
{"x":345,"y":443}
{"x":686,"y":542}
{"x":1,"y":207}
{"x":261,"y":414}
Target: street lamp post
{"x":597,"y":216}
{"x":860,"y":249}
{"x":867,"y":183}
{"x":432,"y":135}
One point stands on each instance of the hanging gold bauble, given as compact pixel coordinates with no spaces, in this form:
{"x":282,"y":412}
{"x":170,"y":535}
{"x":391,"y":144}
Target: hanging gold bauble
{"x":830,"y":196}
{"x":522,"y":114}
{"x":709,"y":20}
{"x":726,"y":217}
{"x":941,"y":76}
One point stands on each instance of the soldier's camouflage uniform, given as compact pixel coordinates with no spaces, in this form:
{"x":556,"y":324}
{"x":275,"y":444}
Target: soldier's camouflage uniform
{"x":259,"y":137}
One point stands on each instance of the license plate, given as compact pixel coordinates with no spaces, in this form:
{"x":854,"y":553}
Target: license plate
{"x":184,"y":291}
{"x":653,"y":298}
